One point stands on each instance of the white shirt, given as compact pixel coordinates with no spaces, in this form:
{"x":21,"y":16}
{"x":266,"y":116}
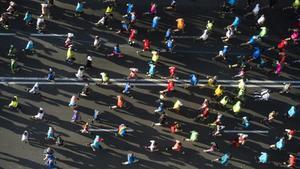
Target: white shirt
{"x":39,"y":21}
{"x":79,"y":73}
{"x":256,"y":9}
{"x":24,"y":137}
{"x":229,"y":33}
{"x":96,"y":42}
{"x":204,"y":36}
{"x":265,"y":96}
{"x":152,"y":145}
{"x":39,"y":116}
{"x":261,"y":20}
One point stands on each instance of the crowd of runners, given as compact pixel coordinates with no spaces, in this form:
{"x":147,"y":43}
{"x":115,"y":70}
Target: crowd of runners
{"x":219,"y":100}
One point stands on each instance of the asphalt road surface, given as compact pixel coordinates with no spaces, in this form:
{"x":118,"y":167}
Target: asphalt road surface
{"x":189,"y":57}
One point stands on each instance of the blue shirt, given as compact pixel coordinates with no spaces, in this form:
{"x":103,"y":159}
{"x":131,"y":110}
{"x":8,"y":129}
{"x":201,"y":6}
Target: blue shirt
{"x":252,"y":40}
{"x":194,"y":80}
{"x":155,"y":22}
{"x":126,"y":88}
{"x":29,"y":45}
{"x":292,"y":111}
{"x":27,"y":17}
{"x":256,"y":54}
{"x":224,"y":159}
{"x":168,"y":34}
{"x":225,"y":49}
{"x":236,"y":22}
{"x":246,"y":123}
{"x":151,"y":69}
{"x":160,"y":107}
{"x":117,"y":49}
{"x":169,"y":44}
{"x":263,"y":158}
{"x":132,"y":17}
{"x":280,"y":144}
{"x":125,"y":26}
{"x":130,"y":158}
{"x":96,"y":113}
{"x":79,"y":7}
{"x":231,"y":2}
{"x":129,"y":8}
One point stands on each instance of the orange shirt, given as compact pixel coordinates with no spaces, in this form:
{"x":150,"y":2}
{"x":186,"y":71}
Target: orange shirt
{"x":120,"y":101}
{"x":180,"y":23}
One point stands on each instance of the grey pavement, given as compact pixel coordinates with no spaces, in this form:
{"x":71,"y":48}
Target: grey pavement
{"x":189,"y":58}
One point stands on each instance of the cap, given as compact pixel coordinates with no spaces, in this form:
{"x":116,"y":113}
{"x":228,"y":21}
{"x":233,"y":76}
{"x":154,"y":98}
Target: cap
{"x":89,"y":58}
{"x":41,"y":109}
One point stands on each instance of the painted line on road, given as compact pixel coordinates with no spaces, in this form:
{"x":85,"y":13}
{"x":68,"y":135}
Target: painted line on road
{"x":8,"y":34}
{"x":149,"y":80}
{"x":246,"y":131}
{"x":185,"y":37}
{"x":48,"y":35}
{"x":136,"y":84}
{"x":110,"y":130}
{"x":205,"y":52}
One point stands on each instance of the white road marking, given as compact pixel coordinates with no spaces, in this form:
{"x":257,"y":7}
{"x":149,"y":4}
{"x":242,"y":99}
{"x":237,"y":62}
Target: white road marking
{"x":7,"y":34}
{"x":148,"y":80}
{"x":81,"y":83}
{"x":185,"y":37}
{"x":246,"y":131}
{"x":142,"y":82}
{"x":110,"y":130}
{"x":48,"y":35}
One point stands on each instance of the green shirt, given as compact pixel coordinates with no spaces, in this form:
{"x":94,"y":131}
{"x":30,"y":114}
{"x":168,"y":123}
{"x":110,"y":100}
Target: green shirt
{"x":194,"y":135}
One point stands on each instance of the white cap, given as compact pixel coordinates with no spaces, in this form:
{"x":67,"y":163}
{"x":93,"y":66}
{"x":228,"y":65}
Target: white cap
{"x":89,"y":58}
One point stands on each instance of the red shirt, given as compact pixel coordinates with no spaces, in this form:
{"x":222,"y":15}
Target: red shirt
{"x":120,"y":101}
{"x":146,"y":44}
{"x":132,"y":34}
{"x":205,"y":112}
{"x":292,"y":161}
{"x":171,"y":86}
{"x":172,"y":70}
{"x":292,"y":132}
{"x":282,"y":44}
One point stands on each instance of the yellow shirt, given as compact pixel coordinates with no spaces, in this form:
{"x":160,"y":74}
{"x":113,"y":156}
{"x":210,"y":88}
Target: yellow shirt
{"x":218,"y":91}
{"x":109,"y":10}
{"x":180,"y":23}
{"x":70,"y":54}
{"x":155,"y":56}
{"x":210,"y":82}
{"x":14,"y":103}
{"x":224,"y":101}
{"x":209,"y":26}
{"x":177,"y":104}
{"x":237,"y":107}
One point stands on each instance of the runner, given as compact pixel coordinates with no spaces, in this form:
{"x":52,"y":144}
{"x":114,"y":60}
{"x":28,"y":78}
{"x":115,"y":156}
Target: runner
{"x":51,"y":74}
{"x":131,"y":159}
{"x":96,"y":144}
{"x":120,"y":103}
{"x":40,"y":115}
{"x":224,"y":159}
{"x":116,"y":52}
{"x":212,"y":148}
{"x":25,"y":137}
